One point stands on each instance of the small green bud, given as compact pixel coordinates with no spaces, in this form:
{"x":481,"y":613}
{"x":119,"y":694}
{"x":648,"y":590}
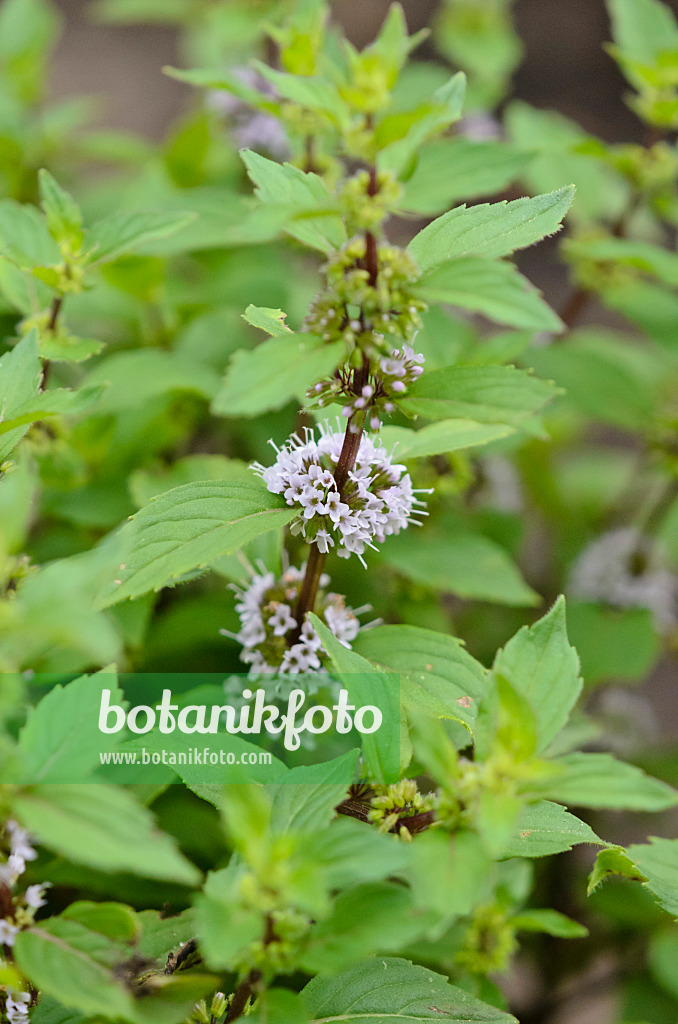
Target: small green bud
{"x":200,"y":1013}
{"x":218,"y":1007}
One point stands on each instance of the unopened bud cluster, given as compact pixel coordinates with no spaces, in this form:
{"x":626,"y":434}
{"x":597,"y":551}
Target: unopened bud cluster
{"x":370,"y":316}
{"x":367,"y":201}
{"x":268,"y":632}
{"x":397,"y":801}
{"x":377,"y":499}
{"x":375,"y":398}
{"x":283,"y":925}
{"x":490,"y":941}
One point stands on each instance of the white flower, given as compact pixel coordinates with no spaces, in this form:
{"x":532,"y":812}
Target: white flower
{"x":605,"y":572}
{"x":282,"y":620}
{"x":8,"y":933}
{"x":268,"y":648}
{"x":17,"y":1007}
{"x":12,"y":869}
{"x":500,"y":485}
{"x":376,"y":501}
{"x":20,"y":841}
{"x":35,"y":895}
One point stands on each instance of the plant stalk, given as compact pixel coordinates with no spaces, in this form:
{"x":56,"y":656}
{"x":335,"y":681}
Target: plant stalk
{"x":54,"y":310}
{"x":309,"y":588}
{"x":316,"y":558}
{"x":243,"y":992}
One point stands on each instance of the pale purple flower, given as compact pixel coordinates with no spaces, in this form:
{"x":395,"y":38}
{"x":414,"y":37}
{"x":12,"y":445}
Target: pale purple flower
{"x":263,"y":616}
{"x":376,"y":501}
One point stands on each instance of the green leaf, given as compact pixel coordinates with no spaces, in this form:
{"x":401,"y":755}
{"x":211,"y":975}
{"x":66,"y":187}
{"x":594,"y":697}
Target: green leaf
{"x":308,"y":91}
{"x":445,"y":108}
{"x":66,"y":348}
{"x":18,"y":492}
{"x":114,"y":920}
{"x":270,"y":320}
{"x":460,"y":562}
{"x":54,"y":624}
{"x":171,"y":999}
{"x":605,"y":377}
{"x":644,"y":256}
{"x":492,"y":288}
{"x":73,"y":964}
{"x":545,"y":828}
{"x":643,"y":29}
{"x":613,"y":861}
{"x":490,"y":230}
{"x":368,"y":685}
{"x":60,"y":741}
{"x":273,"y":373}
{"x":375,"y":916}
{"x":86,"y":971}
{"x":446,"y":436}
{"x":385,"y":989}
{"x":160,"y":935}
{"x":454,"y":169}
{"x":116,"y":12}
{"x":540,"y":663}
{"x":27,"y":29}
{"x":495,"y":820}
{"x":20,"y":373}
{"x":313,"y":219}
{"x":599,"y":780}
{"x":613,"y":643}
{"x":24,"y":235}
{"x":124,"y":232}
{"x":658,"y":861}
{"x":218,"y":78}
{"x":448,"y":873}
{"x":556,"y":147}
{"x":663,"y":956}
{"x":346,"y":853}
{"x":57,"y":402}
{"x":484,"y":43}
{"x":64,"y":218}
{"x":549,"y":922}
{"x":653,"y":307}
{"x":436,"y":672}
{"x":145,"y":484}
{"x":279,"y":1006}
{"x":92,"y":825}
{"x":306,"y":799}
{"x":134,"y":378}
{"x":489,"y":394}
{"x":226,"y":928}
{"x":189,"y":527}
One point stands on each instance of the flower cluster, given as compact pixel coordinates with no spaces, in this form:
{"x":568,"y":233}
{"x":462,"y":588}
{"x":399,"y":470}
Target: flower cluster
{"x":20,"y":851}
{"x":377,"y":499}
{"x":397,"y":801}
{"x":16,"y":1007}
{"x":388,"y":382}
{"x":365,"y":204}
{"x":621,"y":568}
{"x":269,"y":633}
{"x":22,"y":910}
{"x":372,"y":316}
{"x":253,"y":129}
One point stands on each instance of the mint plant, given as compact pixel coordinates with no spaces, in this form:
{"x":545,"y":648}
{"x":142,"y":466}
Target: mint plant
{"x":428,"y":412}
